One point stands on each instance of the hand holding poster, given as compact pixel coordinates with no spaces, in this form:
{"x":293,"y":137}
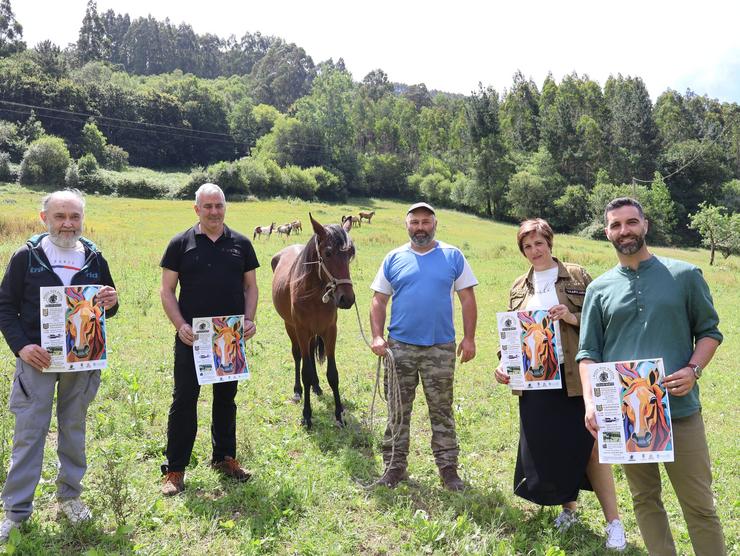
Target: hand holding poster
{"x":73,"y":328}
{"x":218,"y":349}
{"x":632,"y":411}
{"x":529,"y":349}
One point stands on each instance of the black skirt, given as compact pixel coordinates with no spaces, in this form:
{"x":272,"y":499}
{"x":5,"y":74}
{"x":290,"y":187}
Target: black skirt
{"x":554,"y":447}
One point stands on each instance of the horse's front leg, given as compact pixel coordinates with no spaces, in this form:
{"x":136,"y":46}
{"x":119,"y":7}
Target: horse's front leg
{"x":297,"y":389}
{"x":332,"y":375}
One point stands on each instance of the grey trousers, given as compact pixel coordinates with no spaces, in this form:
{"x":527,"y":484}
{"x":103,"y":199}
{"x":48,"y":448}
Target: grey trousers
{"x":31,"y":400}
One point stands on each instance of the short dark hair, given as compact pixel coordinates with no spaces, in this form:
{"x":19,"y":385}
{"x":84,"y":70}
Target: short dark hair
{"x":620,"y":202}
{"x":537,"y":226}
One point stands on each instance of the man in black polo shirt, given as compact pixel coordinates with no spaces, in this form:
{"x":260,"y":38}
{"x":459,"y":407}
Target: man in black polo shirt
{"x":215,"y":267}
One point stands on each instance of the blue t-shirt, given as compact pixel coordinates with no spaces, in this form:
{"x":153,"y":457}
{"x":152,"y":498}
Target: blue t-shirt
{"x":421,"y":286}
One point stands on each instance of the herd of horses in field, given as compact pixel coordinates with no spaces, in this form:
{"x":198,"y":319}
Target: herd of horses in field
{"x":295,"y":227}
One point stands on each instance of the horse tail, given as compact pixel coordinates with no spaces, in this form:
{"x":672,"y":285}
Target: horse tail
{"x":319,"y":350}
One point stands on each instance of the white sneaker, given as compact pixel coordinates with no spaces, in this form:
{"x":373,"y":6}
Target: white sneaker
{"x":565,"y":520}
{"x":615,"y":536}
{"x":75,"y":510}
{"x":6,"y":527}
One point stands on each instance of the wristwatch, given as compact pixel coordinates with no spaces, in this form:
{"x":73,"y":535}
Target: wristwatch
{"x":697,"y":370}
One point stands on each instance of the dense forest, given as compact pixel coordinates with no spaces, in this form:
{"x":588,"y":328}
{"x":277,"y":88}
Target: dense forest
{"x":260,"y":117}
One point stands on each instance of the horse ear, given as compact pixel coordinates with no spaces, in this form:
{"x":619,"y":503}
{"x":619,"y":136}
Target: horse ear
{"x":347,"y":224}
{"x":625,"y":380}
{"x":654,"y":376}
{"x":317,"y":228}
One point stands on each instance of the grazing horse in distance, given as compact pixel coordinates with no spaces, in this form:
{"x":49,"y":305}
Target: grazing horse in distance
{"x":296,"y":225}
{"x":309,"y":283}
{"x":367,"y":215}
{"x":84,"y":329}
{"x":541,"y":360}
{"x":263,"y":231}
{"x":285,"y":229}
{"x":228,"y":357}
{"x":353,"y":220}
{"x":643,"y":407}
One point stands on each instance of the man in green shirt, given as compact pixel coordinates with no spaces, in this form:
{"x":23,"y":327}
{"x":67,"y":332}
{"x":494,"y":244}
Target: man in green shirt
{"x":649,"y":307}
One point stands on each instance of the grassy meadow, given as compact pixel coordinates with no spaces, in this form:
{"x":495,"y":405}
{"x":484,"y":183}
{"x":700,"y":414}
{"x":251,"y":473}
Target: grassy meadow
{"x":307,"y":494}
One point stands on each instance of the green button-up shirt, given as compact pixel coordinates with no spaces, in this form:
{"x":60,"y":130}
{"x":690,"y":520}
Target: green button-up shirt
{"x":659,"y":310}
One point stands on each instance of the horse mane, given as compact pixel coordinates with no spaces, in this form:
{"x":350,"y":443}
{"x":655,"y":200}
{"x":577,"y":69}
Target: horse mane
{"x":308,"y":258}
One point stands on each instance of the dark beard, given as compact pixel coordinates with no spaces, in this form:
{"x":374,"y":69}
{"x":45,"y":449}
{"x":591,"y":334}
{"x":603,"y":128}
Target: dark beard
{"x":630,"y":248}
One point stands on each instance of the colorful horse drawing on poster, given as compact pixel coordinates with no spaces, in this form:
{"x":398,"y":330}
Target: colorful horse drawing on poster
{"x":228,"y":346}
{"x":645,"y":416}
{"x":84,"y":325}
{"x":539,"y":352}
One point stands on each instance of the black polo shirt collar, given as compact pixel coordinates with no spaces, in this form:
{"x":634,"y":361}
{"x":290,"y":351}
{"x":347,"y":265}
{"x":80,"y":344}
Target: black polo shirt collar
{"x":190,"y":242}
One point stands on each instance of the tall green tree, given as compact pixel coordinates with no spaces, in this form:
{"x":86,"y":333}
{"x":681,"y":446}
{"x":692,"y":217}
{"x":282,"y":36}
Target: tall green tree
{"x":492,"y":164}
{"x":520,"y":113}
{"x":92,"y":42}
{"x":282,"y":76}
{"x":11,"y":32}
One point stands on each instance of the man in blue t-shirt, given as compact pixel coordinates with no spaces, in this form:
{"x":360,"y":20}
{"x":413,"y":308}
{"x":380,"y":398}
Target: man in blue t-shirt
{"x":420,"y":277}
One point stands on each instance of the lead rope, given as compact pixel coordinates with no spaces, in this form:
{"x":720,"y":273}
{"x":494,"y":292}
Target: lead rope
{"x":391,"y":394}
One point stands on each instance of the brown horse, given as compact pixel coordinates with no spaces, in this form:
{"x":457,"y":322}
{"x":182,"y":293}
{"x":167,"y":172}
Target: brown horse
{"x":308,"y":285}
{"x":84,"y":331}
{"x":296,"y":225}
{"x":354,"y":221}
{"x":643,"y":408}
{"x":367,"y":215}
{"x":285,"y":229}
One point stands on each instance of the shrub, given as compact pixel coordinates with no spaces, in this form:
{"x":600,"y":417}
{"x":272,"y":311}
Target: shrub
{"x":383,"y":175}
{"x":45,"y":162}
{"x":93,"y":141}
{"x":328,"y":185}
{"x":299,"y":183}
{"x":11,"y":141}
{"x":437,"y":189}
{"x":115,"y":158}
{"x":226,"y":175}
{"x":5,"y":173}
{"x":254,"y":174}
{"x":88,"y":164}
{"x":198,"y":176}
{"x":140,"y":188}
{"x":72,"y":176}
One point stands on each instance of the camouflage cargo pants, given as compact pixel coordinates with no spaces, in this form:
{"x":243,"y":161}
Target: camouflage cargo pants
{"x":436,"y":367}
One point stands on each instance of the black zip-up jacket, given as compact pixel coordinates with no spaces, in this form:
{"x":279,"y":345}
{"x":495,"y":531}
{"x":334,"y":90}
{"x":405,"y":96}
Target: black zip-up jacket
{"x":29,"y":269}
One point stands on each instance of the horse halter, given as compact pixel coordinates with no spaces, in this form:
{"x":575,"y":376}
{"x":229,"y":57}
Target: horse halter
{"x":331,"y":286}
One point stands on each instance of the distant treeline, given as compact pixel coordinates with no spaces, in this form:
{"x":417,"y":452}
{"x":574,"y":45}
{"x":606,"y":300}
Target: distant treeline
{"x":164,"y":96}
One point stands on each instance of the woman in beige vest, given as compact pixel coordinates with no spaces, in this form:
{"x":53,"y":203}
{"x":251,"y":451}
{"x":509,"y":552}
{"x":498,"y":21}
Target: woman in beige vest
{"x":557,"y":456}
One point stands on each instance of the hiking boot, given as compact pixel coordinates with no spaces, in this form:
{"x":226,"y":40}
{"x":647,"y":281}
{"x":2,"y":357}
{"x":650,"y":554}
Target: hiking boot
{"x":566,"y":520}
{"x":392,"y":477}
{"x":75,"y":510}
{"x":229,"y":467}
{"x":174,"y":483}
{"x":615,"y":536}
{"x":6,"y":526}
{"x":450,"y":479}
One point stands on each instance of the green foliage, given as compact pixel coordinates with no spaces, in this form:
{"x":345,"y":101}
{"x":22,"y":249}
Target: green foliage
{"x":719,"y":231}
{"x":282,"y":76}
{"x":298,"y":182}
{"x":243,"y":124}
{"x":72,"y":176}
{"x":254,"y":174}
{"x":11,"y":141}
{"x":383,"y":175}
{"x":139,"y":188}
{"x":88,"y":164}
{"x":5,"y":172}
{"x":11,"y":32}
{"x":731,"y":195}
{"x":328,"y":185}
{"x":45,"y":162}
{"x":570,"y":209}
{"x":92,"y":141}
{"x":436,"y":188}
{"x":227,"y":176}
{"x":198,"y":176}
{"x":115,"y":158}
{"x":527,"y":196}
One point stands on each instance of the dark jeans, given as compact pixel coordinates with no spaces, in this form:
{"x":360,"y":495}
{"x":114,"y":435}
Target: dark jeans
{"x":183,"y":417}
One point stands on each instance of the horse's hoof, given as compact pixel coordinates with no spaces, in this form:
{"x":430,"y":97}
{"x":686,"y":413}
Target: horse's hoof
{"x":306,"y":423}
{"x":296,"y":397}
{"x":339,"y":420}
{"x":318,"y":391}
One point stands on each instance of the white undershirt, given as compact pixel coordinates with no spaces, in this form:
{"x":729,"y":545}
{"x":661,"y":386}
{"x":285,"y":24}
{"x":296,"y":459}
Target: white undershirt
{"x":545,"y":297}
{"x":64,"y":262}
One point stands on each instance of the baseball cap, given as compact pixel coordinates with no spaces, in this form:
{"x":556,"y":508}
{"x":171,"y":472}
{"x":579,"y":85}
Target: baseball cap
{"x":415,"y":206}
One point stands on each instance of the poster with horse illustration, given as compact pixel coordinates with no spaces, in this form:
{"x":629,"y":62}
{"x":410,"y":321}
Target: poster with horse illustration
{"x":219,"y":349}
{"x":530,"y":352}
{"x":633,"y":411}
{"x":73,"y":328}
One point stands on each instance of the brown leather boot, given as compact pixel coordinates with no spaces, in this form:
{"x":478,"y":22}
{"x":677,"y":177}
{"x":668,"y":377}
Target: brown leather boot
{"x":174,"y":483}
{"x":231,"y":468}
{"x":392,"y":477}
{"x":450,"y":479}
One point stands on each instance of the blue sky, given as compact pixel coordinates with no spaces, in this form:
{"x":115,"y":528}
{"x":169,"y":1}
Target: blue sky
{"x":453,"y":46}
